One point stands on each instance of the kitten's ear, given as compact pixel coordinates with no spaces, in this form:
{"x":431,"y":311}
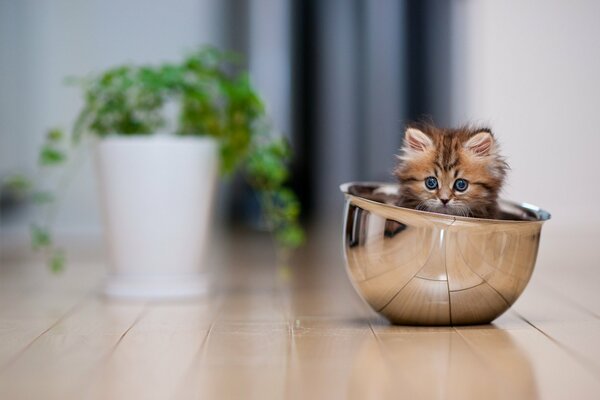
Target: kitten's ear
{"x":417,"y":141}
{"x":481,"y":144}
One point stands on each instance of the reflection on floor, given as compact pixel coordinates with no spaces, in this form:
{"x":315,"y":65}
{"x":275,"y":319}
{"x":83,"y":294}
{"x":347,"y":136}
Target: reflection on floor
{"x":298,"y":332}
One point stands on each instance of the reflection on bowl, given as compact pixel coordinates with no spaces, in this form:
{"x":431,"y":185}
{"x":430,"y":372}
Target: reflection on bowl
{"x":422,"y":268}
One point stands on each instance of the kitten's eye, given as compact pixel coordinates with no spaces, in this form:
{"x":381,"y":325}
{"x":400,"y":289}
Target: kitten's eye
{"x":431,"y":183}
{"x":461,"y":185}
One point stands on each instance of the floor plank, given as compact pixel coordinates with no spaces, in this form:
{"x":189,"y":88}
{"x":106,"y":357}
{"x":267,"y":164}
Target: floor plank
{"x":162,"y":346}
{"x":245,"y":351}
{"x":333,"y":359}
{"x":32,"y":301}
{"x":61,"y":361}
{"x":573,"y":329}
{"x":524,"y":359}
{"x":299,"y":331}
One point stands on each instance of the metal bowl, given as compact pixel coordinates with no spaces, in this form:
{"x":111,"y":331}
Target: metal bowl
{"x":423,"y":268}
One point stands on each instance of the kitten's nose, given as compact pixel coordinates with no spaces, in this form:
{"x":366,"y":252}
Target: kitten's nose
{"x":444,"y":201}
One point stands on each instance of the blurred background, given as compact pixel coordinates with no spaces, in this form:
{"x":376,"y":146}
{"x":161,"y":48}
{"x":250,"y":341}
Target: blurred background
{"x":340,"y":78}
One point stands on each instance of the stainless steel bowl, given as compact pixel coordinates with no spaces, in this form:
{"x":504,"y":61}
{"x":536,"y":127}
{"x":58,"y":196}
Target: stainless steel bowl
{"x":423,"y":268}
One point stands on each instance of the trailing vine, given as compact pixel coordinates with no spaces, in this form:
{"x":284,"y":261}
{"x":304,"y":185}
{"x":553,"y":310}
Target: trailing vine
{"x":216,"y":99}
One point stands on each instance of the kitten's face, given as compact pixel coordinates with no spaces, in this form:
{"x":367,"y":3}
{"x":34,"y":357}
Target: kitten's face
{"x":455,"y":172}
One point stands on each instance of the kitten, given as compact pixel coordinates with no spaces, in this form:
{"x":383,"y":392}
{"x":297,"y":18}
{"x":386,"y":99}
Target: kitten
{"x":451,"y":171}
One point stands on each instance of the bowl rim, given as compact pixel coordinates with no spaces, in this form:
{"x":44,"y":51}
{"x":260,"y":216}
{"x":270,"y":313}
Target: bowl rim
{"x":541,"y":215}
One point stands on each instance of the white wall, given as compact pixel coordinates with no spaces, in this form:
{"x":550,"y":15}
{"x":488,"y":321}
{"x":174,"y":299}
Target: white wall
{"x":531,"y":69}
{"x":269,"y":53}
{"x":42,"y":42}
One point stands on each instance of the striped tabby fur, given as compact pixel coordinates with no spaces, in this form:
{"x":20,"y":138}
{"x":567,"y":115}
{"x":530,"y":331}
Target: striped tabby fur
{"x":469,"y":153}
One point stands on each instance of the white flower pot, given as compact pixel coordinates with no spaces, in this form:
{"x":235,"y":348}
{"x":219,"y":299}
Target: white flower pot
{"x":157,"y":194}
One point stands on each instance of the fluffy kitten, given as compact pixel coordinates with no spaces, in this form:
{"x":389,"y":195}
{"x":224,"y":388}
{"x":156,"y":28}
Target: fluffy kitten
{"x":451,"y":171}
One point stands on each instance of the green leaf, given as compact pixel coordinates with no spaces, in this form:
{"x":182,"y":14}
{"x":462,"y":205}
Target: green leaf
{"x":40,"y":237}
{"x":42,"y":197}
{"x":267,"y":168}
{"x":55,"y":135}
{"x":57,"y":261}
{"x":18,"y":183}
{"x":50,"y":156}
{"x":291,"y":236}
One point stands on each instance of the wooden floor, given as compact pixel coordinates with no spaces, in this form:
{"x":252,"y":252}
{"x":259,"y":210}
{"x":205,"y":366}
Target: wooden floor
{"x":268,"y":332}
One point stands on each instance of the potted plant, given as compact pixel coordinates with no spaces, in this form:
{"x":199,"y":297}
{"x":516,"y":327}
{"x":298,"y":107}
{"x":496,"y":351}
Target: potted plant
{"x":157,"y":177}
